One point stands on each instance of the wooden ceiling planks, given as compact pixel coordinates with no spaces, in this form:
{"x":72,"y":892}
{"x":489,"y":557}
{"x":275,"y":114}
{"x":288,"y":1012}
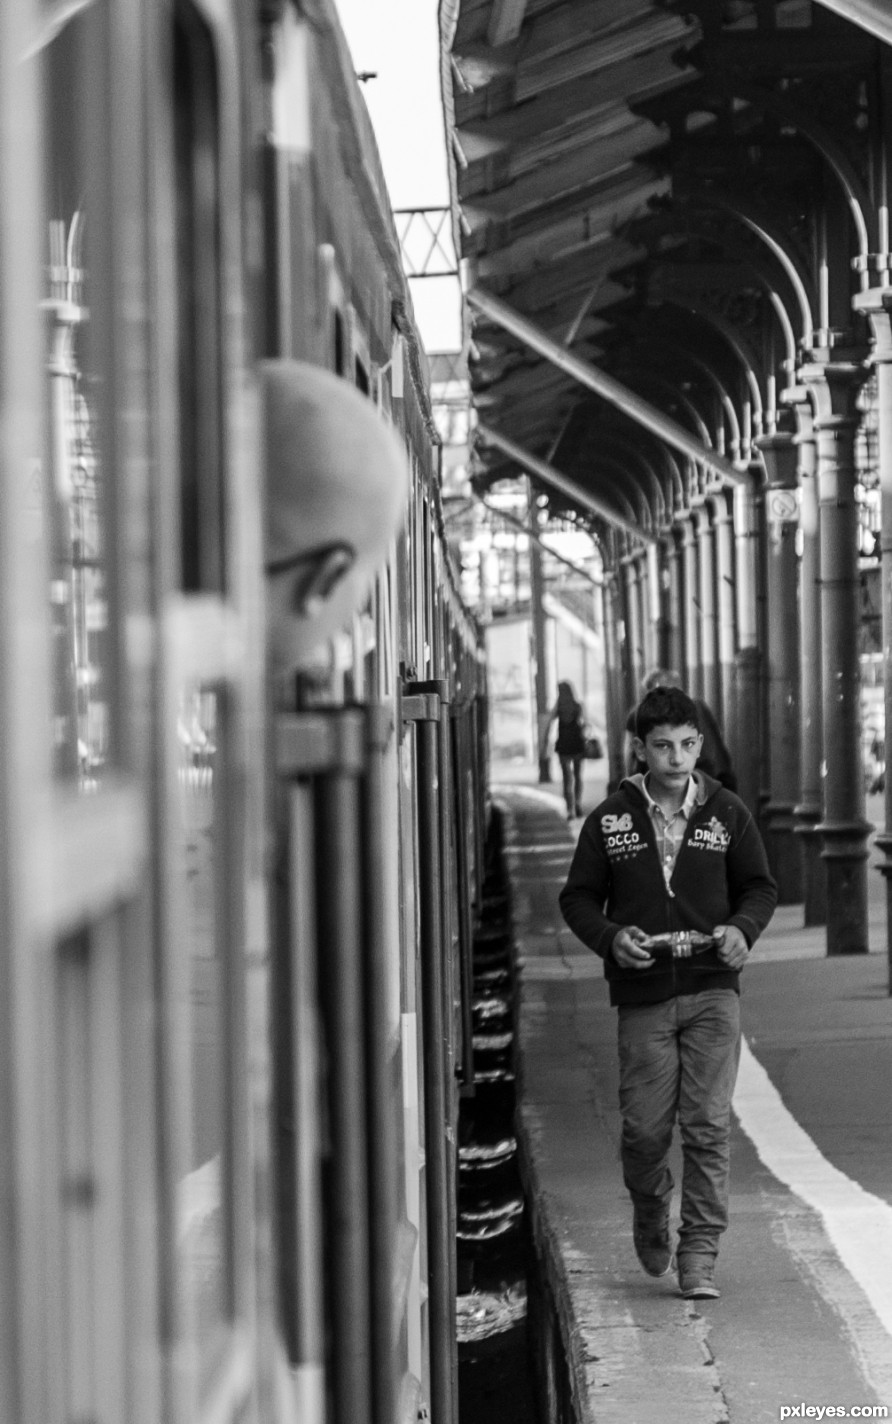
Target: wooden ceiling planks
{"x":597,"y":139}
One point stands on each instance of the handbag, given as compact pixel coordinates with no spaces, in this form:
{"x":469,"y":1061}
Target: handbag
{"x":593,"y":749}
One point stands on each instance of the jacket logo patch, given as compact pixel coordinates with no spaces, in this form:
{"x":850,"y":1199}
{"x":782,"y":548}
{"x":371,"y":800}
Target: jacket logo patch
{"x":621,"y":840}
{"x":715,"y":836}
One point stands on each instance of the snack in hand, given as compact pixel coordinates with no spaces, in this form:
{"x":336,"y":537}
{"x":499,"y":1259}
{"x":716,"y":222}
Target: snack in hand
{"x":678,"y":944}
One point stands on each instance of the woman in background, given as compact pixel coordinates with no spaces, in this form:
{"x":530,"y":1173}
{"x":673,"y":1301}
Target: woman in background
{"x":569,"y":745}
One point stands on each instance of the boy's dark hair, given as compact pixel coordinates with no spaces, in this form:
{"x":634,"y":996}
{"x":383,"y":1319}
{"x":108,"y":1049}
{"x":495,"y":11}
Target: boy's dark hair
{"x":665,"y":706}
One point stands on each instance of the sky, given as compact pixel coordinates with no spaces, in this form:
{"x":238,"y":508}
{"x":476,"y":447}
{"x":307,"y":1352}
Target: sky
{"x":398,"y":41}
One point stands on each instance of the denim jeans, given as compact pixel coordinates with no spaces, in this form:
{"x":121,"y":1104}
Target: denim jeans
{"x":678,"y":1061}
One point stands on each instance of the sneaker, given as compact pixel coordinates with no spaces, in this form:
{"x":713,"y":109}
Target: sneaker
{"x":650,"y":1236}
{"x":695,"y":1278}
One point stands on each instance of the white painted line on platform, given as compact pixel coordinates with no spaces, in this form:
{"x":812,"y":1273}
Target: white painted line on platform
{"x":858,"y":1224}
{"x":556,"y":848}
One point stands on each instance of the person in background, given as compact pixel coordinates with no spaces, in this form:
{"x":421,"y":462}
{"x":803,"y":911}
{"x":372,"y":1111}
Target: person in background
{"x":714,"y":759}
{"x":569,"y":745}
{"x":670,"y":885}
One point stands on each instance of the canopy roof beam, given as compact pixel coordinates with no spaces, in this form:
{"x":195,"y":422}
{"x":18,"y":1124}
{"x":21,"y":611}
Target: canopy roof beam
{"x":607,"y":387}
{"x":571,"y":488}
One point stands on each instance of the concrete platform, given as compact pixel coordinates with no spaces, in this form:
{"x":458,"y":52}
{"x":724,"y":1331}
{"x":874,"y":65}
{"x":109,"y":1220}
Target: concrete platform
{"x":805,"y":1316}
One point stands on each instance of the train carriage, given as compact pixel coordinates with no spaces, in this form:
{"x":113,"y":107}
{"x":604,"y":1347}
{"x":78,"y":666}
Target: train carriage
{"x":238,"y":908}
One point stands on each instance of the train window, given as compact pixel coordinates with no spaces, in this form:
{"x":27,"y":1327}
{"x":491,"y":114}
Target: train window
{"x":340,"y":345}
{"x":203,"y":1227}
{"x":335,"y":303}
{"x":198,"y":239}
{"x":76,"y":490}
{"x":361,"y":362}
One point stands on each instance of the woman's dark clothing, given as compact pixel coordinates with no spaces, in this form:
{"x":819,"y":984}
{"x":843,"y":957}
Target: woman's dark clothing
{"x":570,"y":735}
{"x":570,"y":748}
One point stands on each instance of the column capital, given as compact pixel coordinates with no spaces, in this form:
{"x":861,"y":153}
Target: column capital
{"x":720,"y":502}
{"x":834,"y":386}
{"x":876,"y":303}
{"x":799,"y":401}
{"x":702,"y":515}
{"x":780,"y":455}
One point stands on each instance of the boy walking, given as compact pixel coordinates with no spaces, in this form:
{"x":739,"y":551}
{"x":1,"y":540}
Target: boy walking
{"x":670,"y":886}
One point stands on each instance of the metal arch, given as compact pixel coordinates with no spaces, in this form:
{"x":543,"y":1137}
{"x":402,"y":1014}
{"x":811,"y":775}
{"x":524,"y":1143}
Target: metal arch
{"x":778,"y":306}
{"x":626,"y":486}
{"x":724,"y":398}
{"x":857,"y":196}
{"x":570,"y":487}
{"x":645,"y":449}
{"x":651,"y":376}
{"x":704,"y":372}
{"x":756,"y":222}
{"x":620,"y":434}
{"x":676,"y":481}
{"x":627,"y":500}
{"x":746,"y":361}
{"x":695,"y":201}
{"x":786,"y":325}
{"x":602,"y":384}
{"x":801,"y":291}
{"x":624,"y":457}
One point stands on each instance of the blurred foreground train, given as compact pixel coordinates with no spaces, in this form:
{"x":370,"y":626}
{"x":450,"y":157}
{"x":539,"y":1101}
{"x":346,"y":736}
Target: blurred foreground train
{"x":239,"y":901}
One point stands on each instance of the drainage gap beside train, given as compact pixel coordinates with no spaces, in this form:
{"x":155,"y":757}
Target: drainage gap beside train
{"x":495,"y":1373}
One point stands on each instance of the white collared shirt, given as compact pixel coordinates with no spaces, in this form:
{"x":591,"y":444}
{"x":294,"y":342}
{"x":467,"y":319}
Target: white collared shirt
{"x":669,"y":830}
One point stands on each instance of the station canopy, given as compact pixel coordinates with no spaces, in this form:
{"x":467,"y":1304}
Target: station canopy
{"x":640,"y":185}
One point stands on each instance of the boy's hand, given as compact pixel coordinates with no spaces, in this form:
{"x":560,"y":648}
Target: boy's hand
{"x":626,"y":950}
{"x":733,"y":949}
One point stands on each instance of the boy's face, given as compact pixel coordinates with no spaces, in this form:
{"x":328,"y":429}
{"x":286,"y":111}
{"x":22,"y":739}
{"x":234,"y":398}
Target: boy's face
{"x":671,"y":754}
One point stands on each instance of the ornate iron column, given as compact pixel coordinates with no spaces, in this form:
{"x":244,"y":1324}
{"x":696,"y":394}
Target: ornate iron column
{"x":654,"y":602}
{"x":674,"y":655}
{"x":834,"y":386}
{"x":709,"y":672}
{"x":746,"y":733}
{"x":538,"y":624}
{"x":691,"y":672}
{"x":782,"y":663}
{"x":634,"y":651}
{"x":663,"y":626}
{"x":725,"y":581}
{"x":615,"y":704}
{"x":877,"y":303}
{"x":809,"y":810}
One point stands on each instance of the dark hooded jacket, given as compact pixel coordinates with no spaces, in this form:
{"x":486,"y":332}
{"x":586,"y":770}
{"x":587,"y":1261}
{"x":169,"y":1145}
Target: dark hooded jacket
{"x":721,"y":877}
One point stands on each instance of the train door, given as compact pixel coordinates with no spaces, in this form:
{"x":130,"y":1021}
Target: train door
{"x":212,"y":985}
{"x":130,"y":724}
